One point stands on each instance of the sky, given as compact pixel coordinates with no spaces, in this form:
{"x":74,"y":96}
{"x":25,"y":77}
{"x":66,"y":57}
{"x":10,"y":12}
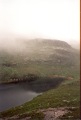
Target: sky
{"x":54,"y":19}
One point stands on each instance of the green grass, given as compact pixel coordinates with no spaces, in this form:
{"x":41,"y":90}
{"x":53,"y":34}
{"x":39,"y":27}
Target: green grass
{"x":34,"y":115}
{"x":41,"y":70}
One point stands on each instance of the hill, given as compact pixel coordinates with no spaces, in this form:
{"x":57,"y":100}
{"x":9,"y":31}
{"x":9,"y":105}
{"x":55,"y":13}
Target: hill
{"x":43,"y":61}
{"x":35,"y":56}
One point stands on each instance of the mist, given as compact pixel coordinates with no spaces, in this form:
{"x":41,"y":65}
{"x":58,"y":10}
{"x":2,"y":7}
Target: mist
{"x":14,"y":43}
{"x":22,"y":19}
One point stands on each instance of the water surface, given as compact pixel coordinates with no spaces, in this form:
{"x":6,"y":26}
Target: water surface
{"x":12,"y":95}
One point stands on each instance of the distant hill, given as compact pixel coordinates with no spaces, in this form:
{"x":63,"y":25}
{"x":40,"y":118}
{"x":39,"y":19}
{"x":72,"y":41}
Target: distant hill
{"x":41,"y":50}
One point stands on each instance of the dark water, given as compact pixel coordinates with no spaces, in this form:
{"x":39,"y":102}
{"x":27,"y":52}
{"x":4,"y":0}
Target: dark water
{"x":12,"y":95}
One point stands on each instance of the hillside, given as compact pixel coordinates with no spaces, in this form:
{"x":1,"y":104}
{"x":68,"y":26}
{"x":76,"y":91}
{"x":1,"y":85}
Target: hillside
{"x":40,"y":50}
{"x":33,"y":55}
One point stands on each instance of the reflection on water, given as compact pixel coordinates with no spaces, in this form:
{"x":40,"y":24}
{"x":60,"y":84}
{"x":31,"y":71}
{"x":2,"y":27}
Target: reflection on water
{"x":12,"y":95}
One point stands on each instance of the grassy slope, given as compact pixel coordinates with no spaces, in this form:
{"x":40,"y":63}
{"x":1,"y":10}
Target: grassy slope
{"x":39,"y":70}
